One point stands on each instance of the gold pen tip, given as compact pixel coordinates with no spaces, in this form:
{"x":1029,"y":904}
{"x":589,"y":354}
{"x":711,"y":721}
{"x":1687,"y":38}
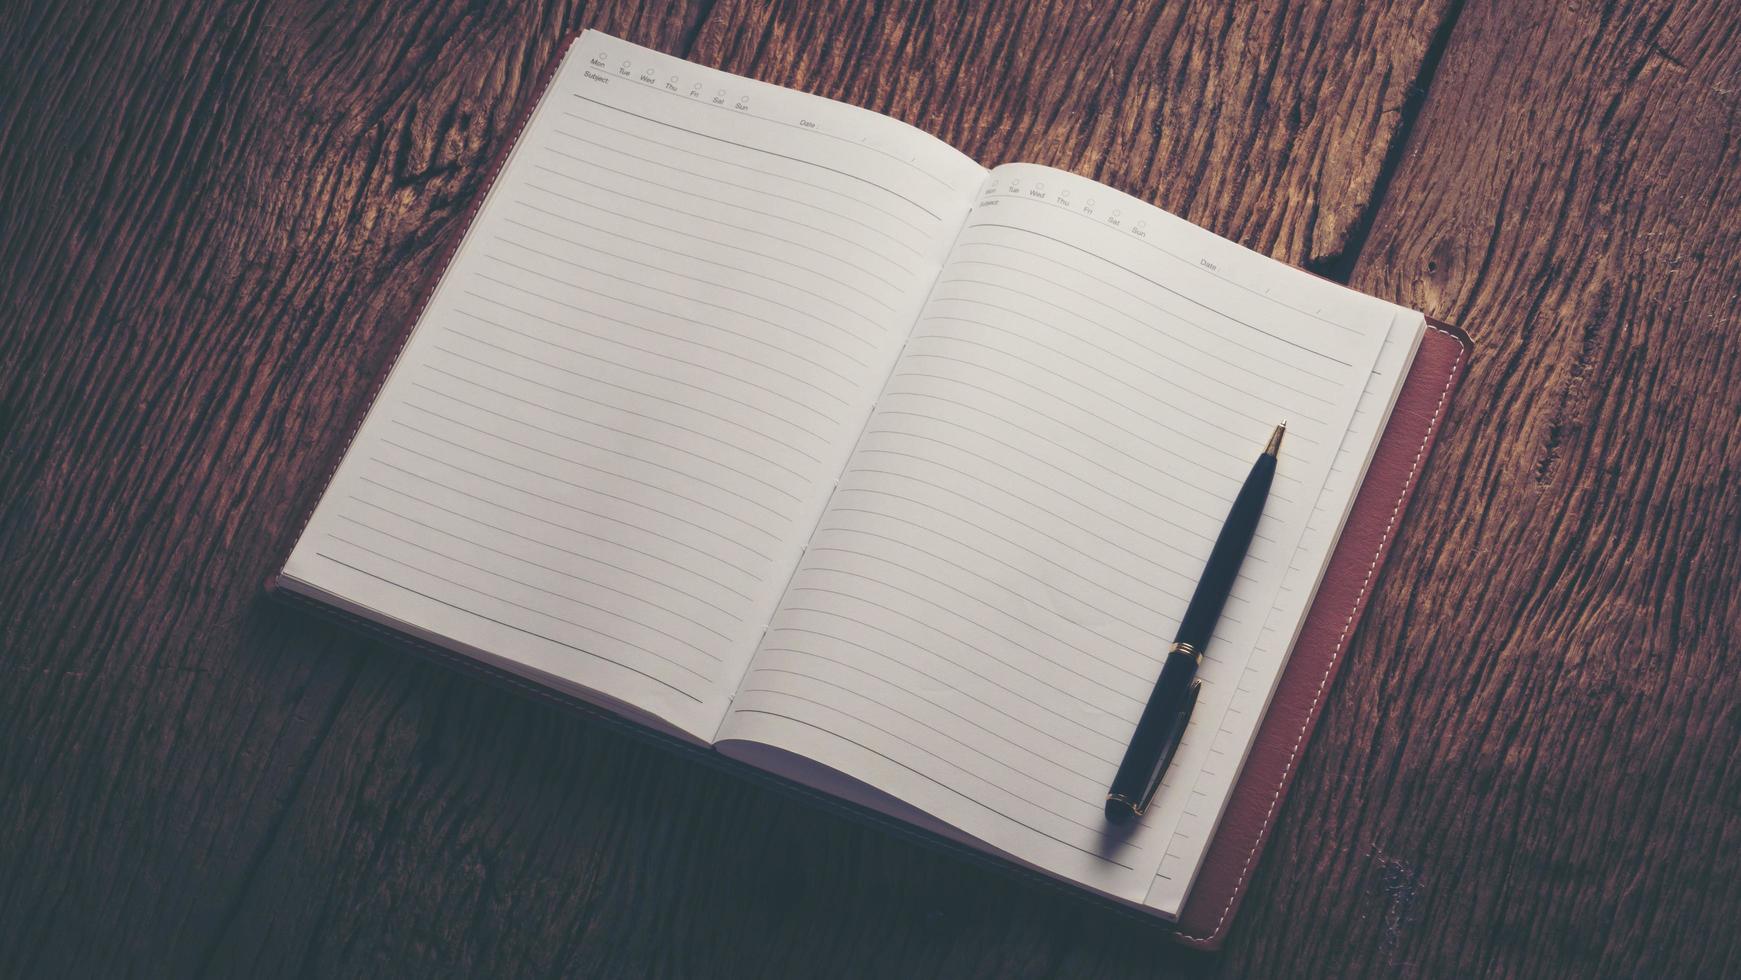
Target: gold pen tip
{"x":1275,"y":440}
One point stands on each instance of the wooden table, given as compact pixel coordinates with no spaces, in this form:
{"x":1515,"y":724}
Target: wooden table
{"x":217,"y":213}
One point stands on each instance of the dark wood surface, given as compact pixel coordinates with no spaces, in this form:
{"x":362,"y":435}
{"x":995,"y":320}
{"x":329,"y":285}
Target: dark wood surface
{"x":217,"y":215}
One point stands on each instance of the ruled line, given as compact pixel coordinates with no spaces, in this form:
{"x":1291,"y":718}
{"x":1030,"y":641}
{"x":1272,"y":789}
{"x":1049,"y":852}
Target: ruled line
{"x":1083,"y":434}
{"x":1147,"y":487}
{"x":541,"y":542}
{"x":861,"y":145}
{"x":1147,"y":393}
{"x":783,"y":178}
{"x":662,"y":312}
{"x":734,"y":246}
{"x":1026,"y":600}
{"x":1206,"y":367}
{"x":1186,"y":459}
{"x":1198,"y":267}
{"x":1129,"y":675}
{"x":711,"y":532}
{"x":859,"y":597}
{"x":714,"y":178}
{"x":981,"y":528}
{"x":722,"y":202}
{"x":1217,"y":448}
{"x":710,"y":283}
{"x":1053,"y":260}
{"x":1185,"y":382}
{"x":1087,"y":780}
{"x":1056,"y":352}
{"x":635,"y":392}
{"x":499,"y":622}
{"x":668,"y":336}
{"x":618,"y":236}
{"x":1193,"y":532}
{"x":1108,"y":740}
{"x":426,"y":549}
{"x":1145,"y":654}
{"x":567,"y":437}
{"x":1167,"y":289}
{"x":598,"y":469}
{"x":1098,"y":828}
{"x":1146,"y":677}
{"x":619,"y":365}
{"x":635,"y":435}
{"x":932,"y":779}
{"x":1091,"y":781}
{"x":617,"y":192}
{"x":590,"y":513}
{"x":818,"y":341}
{"x":745,"y":146}
{"x":1185,"y":580}
{"x":613,"y":542}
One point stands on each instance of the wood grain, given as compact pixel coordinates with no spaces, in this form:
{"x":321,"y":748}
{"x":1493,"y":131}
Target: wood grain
{"x":1531,"y":766}
{"x":1269,"y":123}
{"x":218,"y":216}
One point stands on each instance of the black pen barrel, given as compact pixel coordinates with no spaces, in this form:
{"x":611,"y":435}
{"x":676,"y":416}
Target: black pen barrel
{"x":1168,"y":710}
{"x":1145,"y":759}
{"x":1227,"y":555}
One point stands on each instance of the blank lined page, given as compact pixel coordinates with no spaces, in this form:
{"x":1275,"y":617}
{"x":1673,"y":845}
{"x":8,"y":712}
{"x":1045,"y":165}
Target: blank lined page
{"x":600,"y":453}
{"x":985,"y":605}
{"x":1233,"y":739}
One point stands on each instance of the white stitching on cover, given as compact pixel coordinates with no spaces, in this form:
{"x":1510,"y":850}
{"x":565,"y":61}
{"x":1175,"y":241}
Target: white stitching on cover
{"x":1311,"y":712}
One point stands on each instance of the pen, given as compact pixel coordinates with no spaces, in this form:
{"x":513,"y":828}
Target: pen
{"x":1164,"y":718}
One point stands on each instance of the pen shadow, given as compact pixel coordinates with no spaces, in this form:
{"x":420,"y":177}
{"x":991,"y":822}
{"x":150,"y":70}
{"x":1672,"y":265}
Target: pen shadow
{"x":1114,"y":837}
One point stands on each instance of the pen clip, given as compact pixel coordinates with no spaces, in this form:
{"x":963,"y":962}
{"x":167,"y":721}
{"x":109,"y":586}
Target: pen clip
{"x":1175,"y":735}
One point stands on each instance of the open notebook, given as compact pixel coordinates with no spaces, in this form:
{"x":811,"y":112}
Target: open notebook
{"x":782,"y":427}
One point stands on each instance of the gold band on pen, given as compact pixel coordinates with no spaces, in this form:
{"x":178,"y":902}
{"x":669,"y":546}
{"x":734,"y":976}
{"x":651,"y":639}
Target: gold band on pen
{"x":1187,"y":648}
{"x":1121,"y":798}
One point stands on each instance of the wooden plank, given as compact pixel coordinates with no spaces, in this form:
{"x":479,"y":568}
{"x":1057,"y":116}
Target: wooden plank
{"x":217,"y":217}
{"x":1530,"y":766}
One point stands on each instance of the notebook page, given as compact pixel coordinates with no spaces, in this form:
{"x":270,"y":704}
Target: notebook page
{"x":986,"y":602}
{"x":600,"y":453}
{"x":1213,"y":784}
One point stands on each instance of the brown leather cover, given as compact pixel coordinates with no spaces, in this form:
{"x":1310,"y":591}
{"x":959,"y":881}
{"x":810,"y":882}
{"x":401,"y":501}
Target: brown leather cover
{"x":1378,"y":510}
